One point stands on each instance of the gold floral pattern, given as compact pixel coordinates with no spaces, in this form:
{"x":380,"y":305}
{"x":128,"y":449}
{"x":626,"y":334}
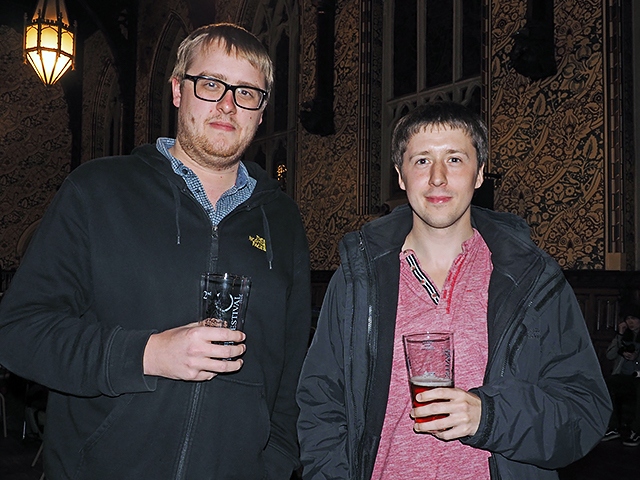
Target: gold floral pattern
{"x":327,"y":172}
{"x":547,"y":136}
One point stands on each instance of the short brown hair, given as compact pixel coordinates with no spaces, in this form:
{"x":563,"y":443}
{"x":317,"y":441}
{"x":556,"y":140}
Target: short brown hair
{"x":439,"y":114}
{"x":235,"y":39}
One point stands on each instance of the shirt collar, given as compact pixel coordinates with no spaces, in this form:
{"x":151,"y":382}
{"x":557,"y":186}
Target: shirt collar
{"x":163,"y":144}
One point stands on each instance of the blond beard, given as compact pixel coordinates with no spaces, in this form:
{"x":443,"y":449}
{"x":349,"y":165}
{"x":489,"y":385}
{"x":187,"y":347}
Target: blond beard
{"x":204,"y":152}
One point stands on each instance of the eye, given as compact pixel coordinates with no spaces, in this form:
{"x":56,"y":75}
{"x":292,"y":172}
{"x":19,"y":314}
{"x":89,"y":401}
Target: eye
{"x":421,"y":161}
{"x":211,"y":84}
{"x":455,"y":160}
{"x":248,"y":93}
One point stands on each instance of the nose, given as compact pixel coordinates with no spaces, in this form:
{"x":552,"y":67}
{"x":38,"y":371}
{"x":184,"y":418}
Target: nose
{"x":226,"y":103}
{"x":438,"y":174}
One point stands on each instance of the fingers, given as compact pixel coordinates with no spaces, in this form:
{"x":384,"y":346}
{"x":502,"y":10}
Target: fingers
{"x":217,"y":334}
{"x":215,"y":367}
{"x":194,"y":352}
{"x":222,"y":351}
{"x":216,"y":349}
{"x":438,"y":394}
{"x":461,"y":410}
{"x":453,"y":426}
{"x":204,"y":361}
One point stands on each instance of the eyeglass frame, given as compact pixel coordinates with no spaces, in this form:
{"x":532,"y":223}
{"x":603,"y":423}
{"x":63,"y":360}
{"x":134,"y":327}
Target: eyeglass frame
{"x":227,"y":87}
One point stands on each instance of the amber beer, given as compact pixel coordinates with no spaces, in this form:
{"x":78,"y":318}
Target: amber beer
{"x":421,"y":384}
{"x":429,"y":358}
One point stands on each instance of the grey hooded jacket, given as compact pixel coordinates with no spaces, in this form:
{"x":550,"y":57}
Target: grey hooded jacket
{"x":544,"y":401}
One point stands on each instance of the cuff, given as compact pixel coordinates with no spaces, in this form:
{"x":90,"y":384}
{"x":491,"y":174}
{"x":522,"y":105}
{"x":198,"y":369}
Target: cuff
{"x":125,"y":367}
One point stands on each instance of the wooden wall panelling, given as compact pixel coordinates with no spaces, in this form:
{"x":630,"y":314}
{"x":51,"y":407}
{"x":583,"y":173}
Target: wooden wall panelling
{"x":605,"y":297}
{"x":601,"y":309}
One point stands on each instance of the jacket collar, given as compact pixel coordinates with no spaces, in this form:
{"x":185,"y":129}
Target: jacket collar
{"x":156,"y":160}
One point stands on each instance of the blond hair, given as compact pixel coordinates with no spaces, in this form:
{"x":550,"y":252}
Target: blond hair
{"x":234,"y":39}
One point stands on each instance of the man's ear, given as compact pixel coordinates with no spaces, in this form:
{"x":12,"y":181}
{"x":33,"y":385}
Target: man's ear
{"x":480,"y":178}
{"x":400,"y":181}
{"x":175,"y":90}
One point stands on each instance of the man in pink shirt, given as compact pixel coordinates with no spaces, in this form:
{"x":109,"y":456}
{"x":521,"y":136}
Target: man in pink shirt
{"x":529,"y":397}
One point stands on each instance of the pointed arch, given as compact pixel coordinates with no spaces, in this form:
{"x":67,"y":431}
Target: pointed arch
{"x":162,"y":114}
{"x":276,"y":24}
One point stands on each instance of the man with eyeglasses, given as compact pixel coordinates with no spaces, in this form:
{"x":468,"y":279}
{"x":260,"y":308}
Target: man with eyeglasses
{"x":103,"y":310}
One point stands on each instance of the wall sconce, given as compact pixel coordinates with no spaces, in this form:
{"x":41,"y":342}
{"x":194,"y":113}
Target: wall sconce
{"x":533,"y":54}
{"x":316,"y":115}
{"x":49,"y":42}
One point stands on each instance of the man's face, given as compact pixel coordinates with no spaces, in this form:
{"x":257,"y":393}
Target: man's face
{"x":216,"y":134}
{"x":633,"y":323}
{"x":440,"y":173}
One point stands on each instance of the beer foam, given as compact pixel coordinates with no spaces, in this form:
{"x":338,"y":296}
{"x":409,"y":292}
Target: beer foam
{"x":431,"y":381}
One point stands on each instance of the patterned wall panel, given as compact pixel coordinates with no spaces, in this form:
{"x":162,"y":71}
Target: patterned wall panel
{"x":547,"y":135}
{"x":35,"y":145}
{"x":327,"y":173}
{"x":234,"y":10}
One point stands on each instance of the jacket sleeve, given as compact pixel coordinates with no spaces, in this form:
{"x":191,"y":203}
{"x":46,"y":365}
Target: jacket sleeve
{"x":282,"y":454}
{"x":551,"y":407}
{"x":48,"y":332}
{"x":614,"y":346}
{"x":322,"y":426}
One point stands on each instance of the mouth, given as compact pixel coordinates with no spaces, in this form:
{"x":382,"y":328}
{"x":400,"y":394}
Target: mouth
{"x":438,"y":200}
{"x":221,"y":125}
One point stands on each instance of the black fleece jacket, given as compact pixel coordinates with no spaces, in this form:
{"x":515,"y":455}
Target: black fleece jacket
{"x":117,"y":257}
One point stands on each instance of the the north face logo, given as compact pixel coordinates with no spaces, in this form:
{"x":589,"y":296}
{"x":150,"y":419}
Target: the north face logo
{"x":258,"y":242}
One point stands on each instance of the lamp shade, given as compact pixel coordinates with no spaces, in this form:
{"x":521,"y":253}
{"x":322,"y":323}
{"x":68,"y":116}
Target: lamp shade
{"x":49,"y":42}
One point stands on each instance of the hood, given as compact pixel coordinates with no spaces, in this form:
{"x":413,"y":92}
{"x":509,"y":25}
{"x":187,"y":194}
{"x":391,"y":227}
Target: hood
{"x":506,"y":235}
{"x":265,"y":191}
{"x":150,"y":155}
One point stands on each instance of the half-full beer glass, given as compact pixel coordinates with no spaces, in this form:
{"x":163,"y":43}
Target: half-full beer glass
{"x":429,"y":358}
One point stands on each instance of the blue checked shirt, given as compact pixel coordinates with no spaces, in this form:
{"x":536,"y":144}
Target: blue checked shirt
{"x":229,"y":200}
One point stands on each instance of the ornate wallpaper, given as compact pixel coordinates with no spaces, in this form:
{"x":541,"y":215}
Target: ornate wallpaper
{"x":547,"y":135}
{"x":35,"y":146}
{"x":327,"y":170}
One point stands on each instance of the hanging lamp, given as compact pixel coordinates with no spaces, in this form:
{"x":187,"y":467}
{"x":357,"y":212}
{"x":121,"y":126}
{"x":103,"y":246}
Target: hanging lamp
{"x":49,"y":41}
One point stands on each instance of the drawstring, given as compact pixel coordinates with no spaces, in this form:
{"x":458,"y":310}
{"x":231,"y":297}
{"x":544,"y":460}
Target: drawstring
{"x":267,"y":236}
{"x":176,"y":202}
{"x":265,"y":224}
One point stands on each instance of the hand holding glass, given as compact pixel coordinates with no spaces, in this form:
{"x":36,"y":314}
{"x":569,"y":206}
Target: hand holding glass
{"x":429,"y":358}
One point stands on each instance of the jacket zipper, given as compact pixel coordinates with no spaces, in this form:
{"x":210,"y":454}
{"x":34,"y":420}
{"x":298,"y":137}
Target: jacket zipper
{"x":214,"y":235}
{"x":181,"y":470}
{"x":180,"y":473}
{"x":371,"y":343}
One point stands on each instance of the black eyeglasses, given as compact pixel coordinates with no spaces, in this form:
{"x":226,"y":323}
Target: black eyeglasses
{"x":211,"y":89}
